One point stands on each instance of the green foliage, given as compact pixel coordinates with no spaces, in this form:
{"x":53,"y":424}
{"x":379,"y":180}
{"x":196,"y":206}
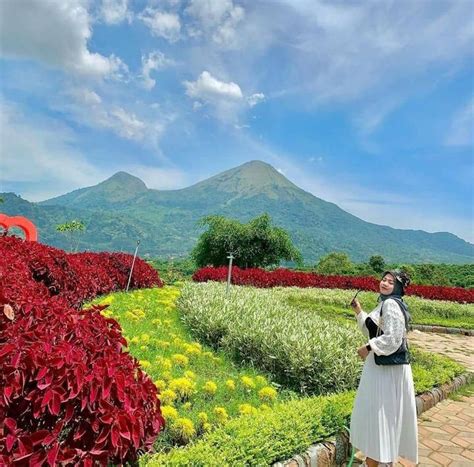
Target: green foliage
{"x":335,"y":263}
{"x":254,"y":244}
{"x":431,"y":370}
{"x":377,"y":263}
{"x":174,"y":270}
{"x":423,"y":311}
{"x":72,"y":230}
{"x":267,"y":437}
{"x":301,"y":350}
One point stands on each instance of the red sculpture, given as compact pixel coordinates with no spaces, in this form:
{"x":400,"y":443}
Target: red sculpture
{"x":31,"y":233}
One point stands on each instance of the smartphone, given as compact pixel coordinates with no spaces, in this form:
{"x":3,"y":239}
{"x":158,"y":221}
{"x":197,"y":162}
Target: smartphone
{"x":355,"y":296}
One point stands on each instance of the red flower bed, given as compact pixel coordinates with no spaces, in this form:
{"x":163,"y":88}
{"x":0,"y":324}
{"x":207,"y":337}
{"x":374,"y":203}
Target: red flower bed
{"x":287,"y":278}
{"x":69,"y":394}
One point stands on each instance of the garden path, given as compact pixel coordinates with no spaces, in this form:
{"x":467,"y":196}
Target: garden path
{"x":446,"y":431}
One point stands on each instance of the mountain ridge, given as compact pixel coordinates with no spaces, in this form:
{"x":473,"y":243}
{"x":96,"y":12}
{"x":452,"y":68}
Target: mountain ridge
{"x":166,"y":219}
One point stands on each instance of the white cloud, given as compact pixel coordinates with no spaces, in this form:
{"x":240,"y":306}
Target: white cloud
{"x":255,"y":99}
{"x":215,"y":19}
{"x":162,"y":24}
{"x":54,"y":33}
{"x":208,"y":88}
{"x":115,"y":11}
{"x":461,"y":132}
{"x":88,"y":108}
{"x":224,"y":99}
{"x":155,"y":61}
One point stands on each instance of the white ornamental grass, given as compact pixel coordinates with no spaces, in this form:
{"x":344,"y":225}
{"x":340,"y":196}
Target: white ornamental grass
{"x":298,"y":347}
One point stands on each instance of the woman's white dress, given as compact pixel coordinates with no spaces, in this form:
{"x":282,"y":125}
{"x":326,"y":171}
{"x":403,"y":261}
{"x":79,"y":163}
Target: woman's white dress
{"x":383,"y":422}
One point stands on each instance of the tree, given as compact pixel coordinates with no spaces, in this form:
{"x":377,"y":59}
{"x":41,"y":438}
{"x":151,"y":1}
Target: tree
{"x":254,"y":244}
{"x":72,"y":230}
{"x":335,"y":263}
{"x":377,"y":263}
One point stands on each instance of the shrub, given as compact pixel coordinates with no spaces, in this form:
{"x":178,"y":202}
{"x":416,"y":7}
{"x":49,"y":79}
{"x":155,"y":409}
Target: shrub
{"x":69,"y":392}
{"x":287,"y":278}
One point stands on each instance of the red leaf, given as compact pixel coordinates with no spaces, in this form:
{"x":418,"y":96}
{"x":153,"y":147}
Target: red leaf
{"x":10,"y":442}
{"x":53,"y":454}
{"x":10,"y":424}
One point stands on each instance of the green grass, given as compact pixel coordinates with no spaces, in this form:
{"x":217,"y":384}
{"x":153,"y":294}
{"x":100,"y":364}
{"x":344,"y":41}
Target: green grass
{"x":155,"y":333}
{"x":334,"y":302}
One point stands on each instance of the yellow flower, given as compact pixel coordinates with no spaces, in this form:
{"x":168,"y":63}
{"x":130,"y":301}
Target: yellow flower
{"x":180,"y":359}
{"x":247,"y":382}
{"x":183,"y":429}
{"x":145,"y":364}
{"x":264,"y":407}
{"x":177,"y":341}
{"x":210,"y":388}
{"x":221,"y":414}
{"x":145,"y":338}
{"x":261,"y":380}
{"x":164,"y":363}
{"x":156,"y":322}
{"x":134,"y":340}
{"x":190,"y":374}
{"x":166,"y":375}
{"x":167,"y":322}
{"x":160,"y":384}
{"x":168,"y":396}
{"x":230,"y":384}
{"x":202,"y":417}
{"x":267,"y":394}
{"x":144,"y":347}
{"x":247,"y":409}
{"x":206,"y":427}
{"x":187,"y":406}
{"x":192,"y":349}
{"x":169,"y":412}
{"x":183,"y":387}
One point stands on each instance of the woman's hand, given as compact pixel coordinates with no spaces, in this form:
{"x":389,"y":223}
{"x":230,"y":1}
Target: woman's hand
{"x":363,"y":352}
{"x":356,"y":306}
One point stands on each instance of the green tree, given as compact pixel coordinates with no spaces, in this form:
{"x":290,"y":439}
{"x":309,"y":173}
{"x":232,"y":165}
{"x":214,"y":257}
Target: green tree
{"x":72,"y":230}
{"x":335,"y":263}
{"x":255,"y":244}
{"x":377,"y":263}
{"x":410,"y":270}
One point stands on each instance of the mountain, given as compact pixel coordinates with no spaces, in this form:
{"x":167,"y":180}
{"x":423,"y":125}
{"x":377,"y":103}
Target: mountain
{"x":121,"y":209}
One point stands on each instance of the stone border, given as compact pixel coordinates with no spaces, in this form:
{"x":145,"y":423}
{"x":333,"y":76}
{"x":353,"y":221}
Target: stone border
{"x":335,"y":451}
{"x":441,"y":329}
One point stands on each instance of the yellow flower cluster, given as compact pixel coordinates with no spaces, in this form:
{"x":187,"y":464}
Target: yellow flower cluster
{"x":230,"y":384}
{"x":221,"y":414}
{"x":247,"y":409}
{"x":210,"y":388}
{"x":183,"y":387}
{"x":135,"y":315}
{"x":267,"y":394}
{"x":180,"y":359}
{"x":247,"y":382}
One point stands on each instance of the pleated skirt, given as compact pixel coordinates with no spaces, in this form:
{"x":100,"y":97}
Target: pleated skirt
{"x":383,"y":422}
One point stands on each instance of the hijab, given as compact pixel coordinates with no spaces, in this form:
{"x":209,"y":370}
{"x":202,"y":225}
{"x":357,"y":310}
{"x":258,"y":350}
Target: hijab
{"x":401,"y":281}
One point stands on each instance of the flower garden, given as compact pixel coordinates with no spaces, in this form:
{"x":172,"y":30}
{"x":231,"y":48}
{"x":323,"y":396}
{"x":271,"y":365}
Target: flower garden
{"x":179,"y":375}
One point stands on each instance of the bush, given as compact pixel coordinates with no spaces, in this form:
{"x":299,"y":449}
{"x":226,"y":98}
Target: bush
{"x":265,"y":437}
{"x":287,"y":278}
{"x":69,"y":392}
{"x":298,"y":348}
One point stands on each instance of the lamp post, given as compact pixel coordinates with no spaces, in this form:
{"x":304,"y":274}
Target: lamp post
{"x":133,"y":264}
{"x":229,"y":273}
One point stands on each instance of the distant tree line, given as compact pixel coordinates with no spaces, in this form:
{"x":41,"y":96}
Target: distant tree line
{"x":258,"y":243}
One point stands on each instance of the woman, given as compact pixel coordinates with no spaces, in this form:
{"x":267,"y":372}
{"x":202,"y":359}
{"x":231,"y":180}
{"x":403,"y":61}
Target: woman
{"x":383,"y":422}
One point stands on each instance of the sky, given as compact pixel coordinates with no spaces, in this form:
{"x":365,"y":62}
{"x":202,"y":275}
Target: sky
{"x":366,"y":104}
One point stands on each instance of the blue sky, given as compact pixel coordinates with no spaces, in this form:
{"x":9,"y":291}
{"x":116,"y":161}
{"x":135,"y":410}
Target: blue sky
{"x":365,"y":104}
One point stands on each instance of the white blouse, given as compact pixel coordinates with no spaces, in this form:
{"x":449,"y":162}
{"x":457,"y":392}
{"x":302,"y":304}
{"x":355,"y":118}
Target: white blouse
{"x":392,"y":325}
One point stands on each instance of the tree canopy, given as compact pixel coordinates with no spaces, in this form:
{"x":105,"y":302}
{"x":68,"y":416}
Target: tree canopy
{"x":254,"y":244}
{"x":335,"y":263}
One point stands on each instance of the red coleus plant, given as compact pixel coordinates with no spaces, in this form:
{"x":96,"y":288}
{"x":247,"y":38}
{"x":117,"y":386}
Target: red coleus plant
{"x":286,"y":278}
{"x":69,"y":392}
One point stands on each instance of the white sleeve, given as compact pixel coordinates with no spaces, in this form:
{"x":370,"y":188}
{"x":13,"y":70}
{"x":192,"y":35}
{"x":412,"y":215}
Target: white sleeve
{"x":361,"y":317}
{"x":393,"y":327}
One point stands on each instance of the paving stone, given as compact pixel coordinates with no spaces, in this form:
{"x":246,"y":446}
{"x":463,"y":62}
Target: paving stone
{"x":439,"y":458}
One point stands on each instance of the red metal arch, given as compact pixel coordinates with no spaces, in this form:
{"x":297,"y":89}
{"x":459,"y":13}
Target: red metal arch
{"x":31,"y":233}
